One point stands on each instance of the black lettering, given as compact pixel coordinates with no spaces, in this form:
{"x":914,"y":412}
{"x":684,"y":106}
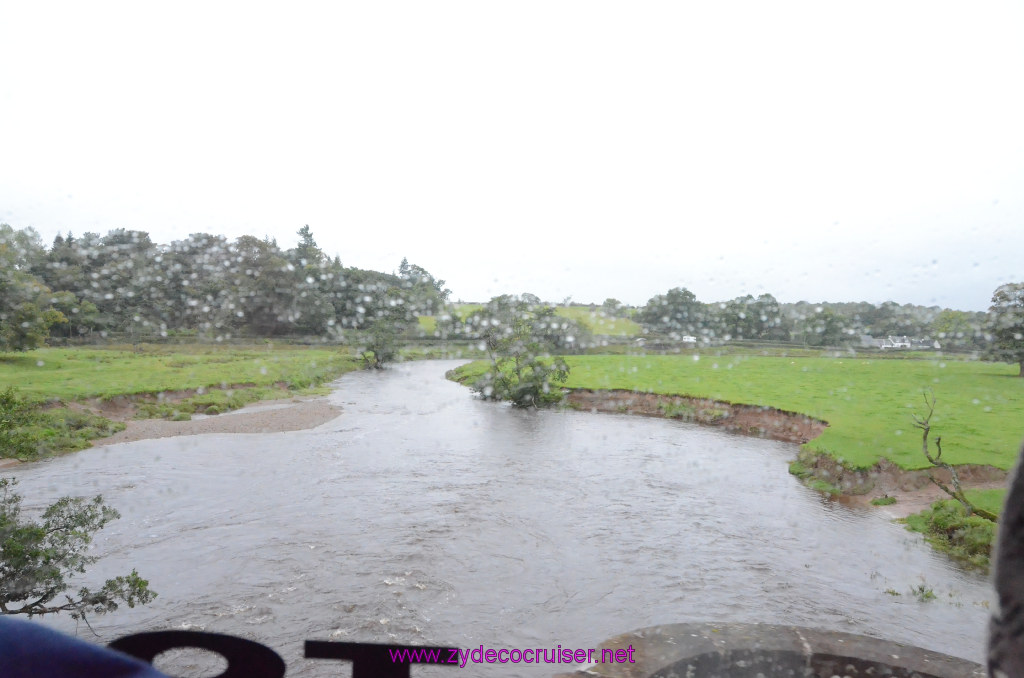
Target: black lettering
{"x":246,"y":658}
{"x":370,"y":660}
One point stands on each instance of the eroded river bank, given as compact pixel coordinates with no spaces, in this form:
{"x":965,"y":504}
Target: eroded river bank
{"x":422,"y":515}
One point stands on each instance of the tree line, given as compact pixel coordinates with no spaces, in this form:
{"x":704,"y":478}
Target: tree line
{"x":209,"y":286}
{"x":678,"y":313}
{"x":205,"y":285}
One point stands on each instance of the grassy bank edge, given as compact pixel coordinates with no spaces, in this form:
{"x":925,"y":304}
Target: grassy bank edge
{"x":945,"y":525}
{"x":68,"y":418}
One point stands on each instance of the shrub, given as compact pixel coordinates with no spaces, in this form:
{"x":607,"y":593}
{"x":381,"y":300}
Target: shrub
{"x":947,"y":527}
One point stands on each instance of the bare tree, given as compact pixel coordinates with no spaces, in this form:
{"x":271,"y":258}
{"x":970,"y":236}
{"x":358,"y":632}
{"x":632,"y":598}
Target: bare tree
{"x":924,"y":423}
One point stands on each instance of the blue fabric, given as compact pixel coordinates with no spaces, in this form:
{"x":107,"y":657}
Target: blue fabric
{"x":29,"y":650}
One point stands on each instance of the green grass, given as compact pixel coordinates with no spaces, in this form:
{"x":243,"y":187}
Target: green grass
{"x":923,"y":593}
{"x":450,"y":351}
{"x":72,"y":374}
{"x":883,"y":501}
{"x":868,"y":403}
{"x":427,"y":324}
{"x":598,"y":322}
{"x":216,"y":401}
{"x":223,"y":378}
{"x":989,"y":500}
{"x":28,"y":431}
{"x":463,"y":311}
{"x":946,"y":527}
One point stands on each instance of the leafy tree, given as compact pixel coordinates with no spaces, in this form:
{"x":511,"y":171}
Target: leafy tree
{"x":195,"y":290}
{"x":38,"y":558}
{"x":80,"y":316}
{"x":824,"y":327}
{"x":127,"y":280}
{"x":26,"y":327}
{"x":959,"y":329}
{"x":425,"y":294}
{"x":749,"y":318}
{"x":22,"y":249}
{"x":390,"y":317}
{"x":677,"y":312}
{"x":308,"y":253}
{"x":264,"y":281}
{"x":612,"y":307}
{"x":1006,"y":324}
{"x":25,"y":314}
{"x":519,"y":337}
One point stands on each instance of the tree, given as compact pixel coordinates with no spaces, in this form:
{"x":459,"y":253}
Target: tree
{"x":264,"y":282}
{"x":37,"y":559}
{"x":612,"y":307}
{"x":924,"y":423}
{"x":80,"y":315}
{"x":958,"y":329}
{"x":26,"y":326}
{"x":824,"y":327}
{"x":676,"y":312}
{"x":25,"y":315}
{"x":424,"y":294}
{"x":389,"y":317}
{"x":308,"y":253}
{"x":1006,"y":324}
{"x":519,"y":338}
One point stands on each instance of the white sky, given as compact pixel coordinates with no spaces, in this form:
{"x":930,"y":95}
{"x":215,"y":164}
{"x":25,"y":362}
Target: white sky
{"x":839,"y":151}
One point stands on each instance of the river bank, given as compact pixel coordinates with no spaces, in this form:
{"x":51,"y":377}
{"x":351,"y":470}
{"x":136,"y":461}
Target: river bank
{"x":912,"y":489}
{"x":275,"y":416}
{"x":296,"y":414}
{"x":63,"y":400}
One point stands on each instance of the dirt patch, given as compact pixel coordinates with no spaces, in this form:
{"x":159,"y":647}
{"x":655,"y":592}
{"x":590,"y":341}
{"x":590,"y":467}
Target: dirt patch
{"x":273,"y":416}
{"x":913,"y":490}
{"x":763,"y":422}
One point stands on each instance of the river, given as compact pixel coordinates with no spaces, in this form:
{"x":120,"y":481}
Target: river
{"x":422,"y":515}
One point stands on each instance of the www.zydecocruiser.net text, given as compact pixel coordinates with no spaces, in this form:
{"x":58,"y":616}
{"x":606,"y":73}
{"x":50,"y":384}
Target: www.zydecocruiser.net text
{"x":529,"y":655}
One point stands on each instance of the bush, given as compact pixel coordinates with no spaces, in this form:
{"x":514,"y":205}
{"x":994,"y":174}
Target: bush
{"x":15,"y":416}
{"x":947,"y":527}
{"x":27,"y":432}
{"x":527,"y":383}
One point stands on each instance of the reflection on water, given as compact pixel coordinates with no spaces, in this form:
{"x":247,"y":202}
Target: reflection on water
{"x":423,"y":516}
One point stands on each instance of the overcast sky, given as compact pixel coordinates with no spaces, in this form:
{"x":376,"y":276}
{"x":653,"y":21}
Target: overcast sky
{"x":839,"y":151}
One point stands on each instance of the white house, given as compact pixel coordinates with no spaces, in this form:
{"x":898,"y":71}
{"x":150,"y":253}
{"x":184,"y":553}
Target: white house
{"x":895,"y":342}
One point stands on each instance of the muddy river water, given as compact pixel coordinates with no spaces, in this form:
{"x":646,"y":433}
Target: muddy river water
{"x":424,"y":516}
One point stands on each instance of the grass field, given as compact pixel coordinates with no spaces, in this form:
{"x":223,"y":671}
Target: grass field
{"x":427,"y":324}
{"x":71,"y":374}
{"x":868,"y":403}
{"x":990,"y":500}
{"x":222,"y":378}
{"x":599,"y":323}
{"x":595,"y":321}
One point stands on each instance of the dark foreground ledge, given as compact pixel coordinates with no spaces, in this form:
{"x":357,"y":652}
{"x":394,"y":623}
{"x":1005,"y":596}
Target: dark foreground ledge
{"x":768,"y":650}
